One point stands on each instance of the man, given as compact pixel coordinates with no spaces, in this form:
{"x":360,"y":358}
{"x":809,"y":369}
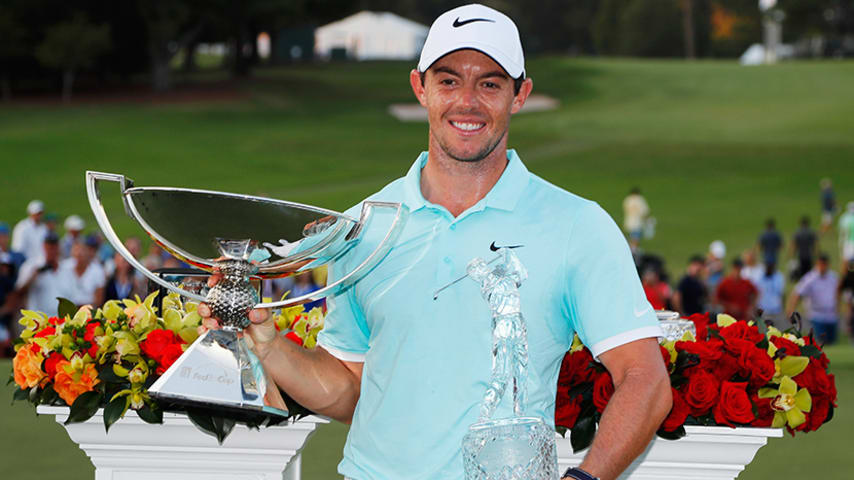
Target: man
{"x":82,"y":275}
{"x":17,"y":258}
{"x":737,"y":295}
{"x":828,"y":204}
{"x":74,"y":226}
{"x":820,"y":288}
{"x":635,"y":213}
{"x":409,"y":372}
{"x":770,"y":242}
{"x":691,"y":294}
{"x":846,"y":295}
{"x":38,"y":282}
{"x":846,"y":233}
{"x":804,"y":248}
{"x":29,"y":234}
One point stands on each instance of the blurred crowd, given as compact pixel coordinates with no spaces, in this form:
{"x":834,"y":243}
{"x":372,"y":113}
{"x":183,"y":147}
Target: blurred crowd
{"x":776,"y":277}
{"x":40,"y":262}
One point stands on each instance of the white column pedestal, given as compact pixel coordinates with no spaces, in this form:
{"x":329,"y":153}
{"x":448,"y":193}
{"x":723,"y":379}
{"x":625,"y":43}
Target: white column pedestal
{"x":705,"y":453}
{"x":177,"y":450}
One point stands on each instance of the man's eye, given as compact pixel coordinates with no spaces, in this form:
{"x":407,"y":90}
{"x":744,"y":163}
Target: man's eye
{"x":490,"y":84}
{"x":447,"y":81}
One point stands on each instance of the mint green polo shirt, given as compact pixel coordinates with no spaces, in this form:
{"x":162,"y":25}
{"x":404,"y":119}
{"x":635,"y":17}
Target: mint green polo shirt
{"x":427,"y":362}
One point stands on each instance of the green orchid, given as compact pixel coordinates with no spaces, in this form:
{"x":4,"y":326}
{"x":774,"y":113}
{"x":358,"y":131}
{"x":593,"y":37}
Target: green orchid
{"x":126,"y":344}
{"x":32,"y":321}
{"x":725,"y":320}
{"x":789,"y":403}
{"x":789,"y":366}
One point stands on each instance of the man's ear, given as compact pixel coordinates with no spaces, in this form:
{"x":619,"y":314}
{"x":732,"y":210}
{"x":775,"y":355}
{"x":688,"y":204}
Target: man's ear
{"x":524,"y":91}
{"x":417,"y":87}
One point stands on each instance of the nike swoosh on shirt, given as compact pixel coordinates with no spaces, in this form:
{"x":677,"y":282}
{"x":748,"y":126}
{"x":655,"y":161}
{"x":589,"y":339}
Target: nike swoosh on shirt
{"x":495,"y":248}
{"x":641,"y":312}
{"x":458,"y":23}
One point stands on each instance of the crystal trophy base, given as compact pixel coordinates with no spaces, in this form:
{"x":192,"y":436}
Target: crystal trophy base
{"x":518,"y":448}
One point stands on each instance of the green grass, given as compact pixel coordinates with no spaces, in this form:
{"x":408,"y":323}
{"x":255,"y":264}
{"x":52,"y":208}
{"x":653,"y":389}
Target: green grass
{"x":715,"y":147}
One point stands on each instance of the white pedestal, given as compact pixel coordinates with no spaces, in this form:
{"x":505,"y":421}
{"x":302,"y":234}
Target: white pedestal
{"x":705,"y":453}
{"x":177,"y":450}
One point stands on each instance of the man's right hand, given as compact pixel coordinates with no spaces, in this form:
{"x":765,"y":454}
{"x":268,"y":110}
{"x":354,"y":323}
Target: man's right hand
{"x":262,"y":330}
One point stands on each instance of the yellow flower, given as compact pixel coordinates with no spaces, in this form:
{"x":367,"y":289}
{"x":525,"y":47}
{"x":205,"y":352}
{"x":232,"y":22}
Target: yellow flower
{"x":789,"y":403}
{"x":27,"y":368}
{"x":725,"y":320}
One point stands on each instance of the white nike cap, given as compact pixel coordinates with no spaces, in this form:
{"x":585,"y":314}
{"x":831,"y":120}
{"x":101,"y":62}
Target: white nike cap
{"x":479,"y":28}
{"x":35,"y":206}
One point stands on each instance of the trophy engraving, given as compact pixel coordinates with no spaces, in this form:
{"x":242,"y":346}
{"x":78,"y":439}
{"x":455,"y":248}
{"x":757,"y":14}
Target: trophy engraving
{"x":518,"y":447}
{"x":241,"y":237}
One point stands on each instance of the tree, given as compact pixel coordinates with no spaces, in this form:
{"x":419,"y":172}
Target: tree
{"x":12,"y":44}
{"x":71,"y":45}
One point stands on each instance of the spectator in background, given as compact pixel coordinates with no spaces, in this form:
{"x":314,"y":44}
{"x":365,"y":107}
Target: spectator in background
{"x":820,"y":288}
{"x":74,"y":226}
{"x":82,"y":274}
{"x":846,"y":233}
{"x":39,"y":284}
{"x":691,"y":294}
{"x":752,"y":268}
{"x":846,"y":295}
{"x":303,"y":285}
{"x":635,"y":213}
{"x":50,"y":220}
{"x":122,"y":284}
{"x":657,"y":291}
{"x":737,"y":295}
{"x":771,"y":285}
{"x":715,"y":265}
{"x":154,"y":259}
{"x":29,"y":234}
{"x":828,"y":204}
{"x":8,"y":273}
{"x":770,"y":242}
{"x":17,"y":258}
{"x":804,"y":248}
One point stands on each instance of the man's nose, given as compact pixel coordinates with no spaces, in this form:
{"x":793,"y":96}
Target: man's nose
{"x":468,"y":97}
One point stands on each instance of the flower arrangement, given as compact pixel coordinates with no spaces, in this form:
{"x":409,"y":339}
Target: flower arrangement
{"x":108,"y":357}
{"x":730,"y":374}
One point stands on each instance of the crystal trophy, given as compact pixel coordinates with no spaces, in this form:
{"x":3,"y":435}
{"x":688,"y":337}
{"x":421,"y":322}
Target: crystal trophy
{"x":242,"y":237}
{"x":519,"y":447}
{"x":674,"y":327}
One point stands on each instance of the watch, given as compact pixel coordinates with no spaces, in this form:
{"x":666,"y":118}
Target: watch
{"x":578,"y":474}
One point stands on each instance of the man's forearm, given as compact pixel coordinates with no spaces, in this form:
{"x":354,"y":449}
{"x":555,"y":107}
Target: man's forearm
{"x":636,"y":409}
{"x":314,"y":378}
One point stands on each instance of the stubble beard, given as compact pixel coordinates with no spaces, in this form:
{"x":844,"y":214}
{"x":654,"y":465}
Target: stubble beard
{"x":480,"y":155}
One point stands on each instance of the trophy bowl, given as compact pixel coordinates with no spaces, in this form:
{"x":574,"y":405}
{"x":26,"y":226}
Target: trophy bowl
{"x":240,"y":237}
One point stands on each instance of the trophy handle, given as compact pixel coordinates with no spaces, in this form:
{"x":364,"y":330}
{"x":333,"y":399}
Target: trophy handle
{"x":94,"y":195}
{"x":401,"y":213}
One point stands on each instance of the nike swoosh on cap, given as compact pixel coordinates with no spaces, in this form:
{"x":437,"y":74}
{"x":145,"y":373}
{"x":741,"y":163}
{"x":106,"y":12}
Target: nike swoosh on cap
{"x":458,"y":23}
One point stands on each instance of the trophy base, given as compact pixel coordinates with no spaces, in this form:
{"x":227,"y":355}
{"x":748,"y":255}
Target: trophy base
{"x":517,"y":448}
{"x":219,"y":372}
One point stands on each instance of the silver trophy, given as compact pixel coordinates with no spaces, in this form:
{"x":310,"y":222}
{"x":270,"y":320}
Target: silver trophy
{"x":519,"y":447}
{"x":242,"y":237}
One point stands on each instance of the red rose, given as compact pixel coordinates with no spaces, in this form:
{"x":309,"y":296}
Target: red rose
{"x":734,"y":405}
{"x":701,"y":323}
{"x":603,"y":388}
{"x":743,"y":331}
{"x":678,"y":413}
{"x":756,"y":365}
{"x":810,"y":340}
{"x":737,"y":346}
{"x":665,"y":355}
{"x":764,"y":412}
{"x":54,"y":320}
{"x":791,"y":348}
{"x":167,"y":357}
{"x":817,"y":415}
{"x":45,"y":332}
{"x":50,"y":364}
{"x":567,"y":410}
{"x":815,"y":379}
{"x":292,"y":336}
{"x":578,"y":369}
{"x":701,"y":392}
{"x":156,"y":342}
{"x":707,"y":350}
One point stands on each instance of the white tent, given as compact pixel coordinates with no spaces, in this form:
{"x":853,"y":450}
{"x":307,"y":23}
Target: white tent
{"x":371,"y":36}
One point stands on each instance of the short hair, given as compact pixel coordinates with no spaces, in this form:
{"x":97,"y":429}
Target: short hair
{"x":824,"y":257}
{"x":770,"y":223}
{"x":517,"y":82}
{"x":805,"y":221}
{"x":696,"y":258}
{"x":737,"y":263}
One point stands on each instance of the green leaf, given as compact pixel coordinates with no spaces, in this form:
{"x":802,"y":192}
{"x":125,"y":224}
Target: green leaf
{"x":49,"y":395}
{"x":84,"y":407}
{"x":810,"y":351}
{"x":34,"y":395}
{"x":581,"y":436}
{"x":674,"y":435}
{"x":66,"y":307}
{"x":11,"y":379}
{"x":20,"y":394}
{"x":561,"y":430}
{"x":107,"y":375}
{"x":114,"y":411}
{"x":150,"y":415}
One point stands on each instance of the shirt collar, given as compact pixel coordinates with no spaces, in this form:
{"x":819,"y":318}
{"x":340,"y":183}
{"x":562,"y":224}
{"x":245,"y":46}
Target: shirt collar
{"x":504,"y":195}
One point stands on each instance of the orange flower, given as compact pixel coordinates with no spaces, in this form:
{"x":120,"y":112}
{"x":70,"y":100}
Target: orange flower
{"x":27,"y":367}
{"x":70,"y":382}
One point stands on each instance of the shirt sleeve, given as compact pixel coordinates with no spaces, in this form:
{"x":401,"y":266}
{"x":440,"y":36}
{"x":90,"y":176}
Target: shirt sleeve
{"x":345,"y":331}
{"x":606,"y":302}
{"x":802,"y":288}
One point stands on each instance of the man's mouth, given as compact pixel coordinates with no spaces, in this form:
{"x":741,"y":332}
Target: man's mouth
{"x":468,"y":126}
